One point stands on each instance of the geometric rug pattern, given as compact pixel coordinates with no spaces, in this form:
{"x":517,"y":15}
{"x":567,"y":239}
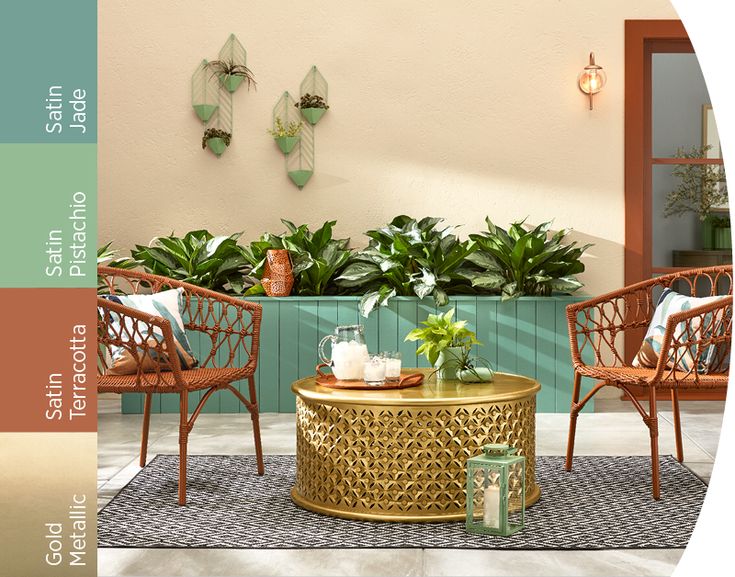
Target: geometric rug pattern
{"x":603,"y":503}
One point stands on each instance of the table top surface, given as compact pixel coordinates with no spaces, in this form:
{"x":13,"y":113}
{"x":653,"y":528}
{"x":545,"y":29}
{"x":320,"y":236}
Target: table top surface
{"x":504,"y":387}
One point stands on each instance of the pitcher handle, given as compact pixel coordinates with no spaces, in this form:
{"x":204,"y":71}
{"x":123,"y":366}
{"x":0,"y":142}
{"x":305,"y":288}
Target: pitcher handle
{"x":322,"y":356}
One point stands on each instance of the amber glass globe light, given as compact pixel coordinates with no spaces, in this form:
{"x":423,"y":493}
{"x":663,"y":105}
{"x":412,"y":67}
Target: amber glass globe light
{"x":592,"y":78}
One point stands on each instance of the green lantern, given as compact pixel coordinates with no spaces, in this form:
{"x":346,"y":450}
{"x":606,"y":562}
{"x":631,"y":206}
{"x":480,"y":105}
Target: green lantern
{"x":496,"y":491}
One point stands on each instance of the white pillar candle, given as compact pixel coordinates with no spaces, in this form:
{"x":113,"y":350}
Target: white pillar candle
{"x":491,"y":509}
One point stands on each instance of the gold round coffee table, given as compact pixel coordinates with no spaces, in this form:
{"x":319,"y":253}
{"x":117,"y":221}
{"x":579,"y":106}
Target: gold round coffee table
{"x":399,"y":455}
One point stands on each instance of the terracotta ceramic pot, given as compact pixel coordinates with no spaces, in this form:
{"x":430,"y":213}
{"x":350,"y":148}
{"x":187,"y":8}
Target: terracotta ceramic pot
{"x":277,"y":275}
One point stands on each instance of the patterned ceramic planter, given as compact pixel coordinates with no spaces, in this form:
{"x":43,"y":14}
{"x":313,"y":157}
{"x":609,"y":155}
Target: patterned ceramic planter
{"x":277,"y":275}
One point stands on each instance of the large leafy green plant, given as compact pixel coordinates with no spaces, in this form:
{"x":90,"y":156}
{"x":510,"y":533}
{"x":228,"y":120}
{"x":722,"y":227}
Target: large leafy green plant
{"x":107,"y":256}
{"x":200,"y":258}
{"x":317,"y":257}
{"x":439,"y":333}
{"x":408,"y":257}
{"x":520,"y":262}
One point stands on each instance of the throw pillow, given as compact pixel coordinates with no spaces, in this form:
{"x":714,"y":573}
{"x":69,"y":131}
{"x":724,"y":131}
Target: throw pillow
{"x":166,"y":304}
{"x":670,"y":303}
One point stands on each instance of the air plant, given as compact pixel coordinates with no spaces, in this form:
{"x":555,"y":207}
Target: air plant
{"x":225,"y":68}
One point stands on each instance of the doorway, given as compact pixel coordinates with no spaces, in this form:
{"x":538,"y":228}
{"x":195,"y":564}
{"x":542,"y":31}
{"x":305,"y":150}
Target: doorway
{"x":668,"y":123}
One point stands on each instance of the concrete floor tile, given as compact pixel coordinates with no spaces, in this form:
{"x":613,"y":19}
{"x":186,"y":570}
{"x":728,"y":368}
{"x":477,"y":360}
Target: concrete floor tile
{"x":258,"y":562}
{"x":640,"y":562}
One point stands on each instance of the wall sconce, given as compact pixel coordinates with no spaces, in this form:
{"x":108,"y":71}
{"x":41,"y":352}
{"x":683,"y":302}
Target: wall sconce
{"x":592,"y":78}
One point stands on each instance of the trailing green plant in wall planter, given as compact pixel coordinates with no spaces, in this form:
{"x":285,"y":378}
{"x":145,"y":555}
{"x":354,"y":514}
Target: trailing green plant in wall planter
{"x":312,"y":107}
{"x":286,"y":136}
{"x":216,"y":140}
{"x":231,"y":74}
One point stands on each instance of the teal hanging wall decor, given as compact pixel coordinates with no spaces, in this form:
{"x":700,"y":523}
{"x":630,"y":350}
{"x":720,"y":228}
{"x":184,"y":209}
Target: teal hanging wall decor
{"x":314,"y":100}
{"x":212,"y":86}
{"x":295,"y":137}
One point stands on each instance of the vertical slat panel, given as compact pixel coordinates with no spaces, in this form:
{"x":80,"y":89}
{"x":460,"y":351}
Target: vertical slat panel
{"x":507,"y":356}
{"x":371,"y":329}
{"x":406,"y":323}
{"x":466,"y":310}
{"x":526,"y":337}
{"x":288,"y":359}
{"x":388,"y":327}
{"x":487,"y":332}
{"x":347,"y":313}
{"x":132,"y":403}
{"x":308,"y":336}
{"x":424,"y":308}
{"x":268,"y":356}
{"x":546,"y":355}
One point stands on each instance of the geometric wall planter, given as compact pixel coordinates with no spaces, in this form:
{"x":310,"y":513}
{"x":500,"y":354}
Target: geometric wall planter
{"x":212,"y":85}
{"x":313,"y":103}
{"x":527,"y":336}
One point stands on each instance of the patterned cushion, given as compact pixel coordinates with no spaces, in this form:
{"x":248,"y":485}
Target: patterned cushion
{"x":671,"y":303}
{"x":166,"y":304}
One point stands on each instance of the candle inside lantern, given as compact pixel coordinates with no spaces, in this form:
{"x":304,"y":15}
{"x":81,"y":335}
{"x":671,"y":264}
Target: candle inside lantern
{"x":491,"y":509}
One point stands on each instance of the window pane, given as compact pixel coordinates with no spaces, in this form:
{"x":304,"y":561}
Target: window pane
{"x":676,"y":232}
{"x":679,"y":95}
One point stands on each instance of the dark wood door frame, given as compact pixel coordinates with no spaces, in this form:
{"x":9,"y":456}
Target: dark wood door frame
{"x":642,"y":39}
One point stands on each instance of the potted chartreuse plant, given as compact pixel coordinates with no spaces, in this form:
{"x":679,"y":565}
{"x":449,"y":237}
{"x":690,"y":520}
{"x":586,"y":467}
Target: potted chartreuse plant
{"x":286,"y":136}
{"x":446,"y":345}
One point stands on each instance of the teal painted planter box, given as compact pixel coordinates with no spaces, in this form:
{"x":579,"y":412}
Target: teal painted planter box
{"x":527,"y":336}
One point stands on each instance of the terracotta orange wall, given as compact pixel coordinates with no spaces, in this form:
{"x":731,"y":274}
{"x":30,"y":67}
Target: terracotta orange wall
{"x":456,"y":109}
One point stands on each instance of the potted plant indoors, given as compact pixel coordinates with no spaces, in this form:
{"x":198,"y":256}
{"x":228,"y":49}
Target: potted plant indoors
{"x":702,"y":189}
{"x":286,"y":137}
{"x":312,"y":107}
{"x":231,"y":75}
{"x":216,"y":139}
{"x":446,"y":343}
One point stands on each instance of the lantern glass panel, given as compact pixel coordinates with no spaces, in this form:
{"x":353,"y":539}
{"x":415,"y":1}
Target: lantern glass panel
{"x":496,"y":491}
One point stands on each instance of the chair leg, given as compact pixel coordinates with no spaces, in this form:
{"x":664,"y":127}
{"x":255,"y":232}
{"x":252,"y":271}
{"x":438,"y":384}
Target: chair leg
{"x":677,"y":425}
{"x":146,"y":427}
{"x":255,"y":417}
{"x":183,"y":440}
{"x":573,"y":413}
{"x":652,"y":423}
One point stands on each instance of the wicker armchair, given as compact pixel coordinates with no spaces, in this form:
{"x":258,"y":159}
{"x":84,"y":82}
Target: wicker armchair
{"x":231,"y":325}
{"x":594,"y":328}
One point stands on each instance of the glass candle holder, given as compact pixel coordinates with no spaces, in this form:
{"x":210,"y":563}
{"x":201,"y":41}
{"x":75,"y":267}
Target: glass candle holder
{"x":374,"y":370}
{"x":392,"y":366}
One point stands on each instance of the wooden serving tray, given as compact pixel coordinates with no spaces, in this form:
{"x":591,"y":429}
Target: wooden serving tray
{"x":406,"y":380}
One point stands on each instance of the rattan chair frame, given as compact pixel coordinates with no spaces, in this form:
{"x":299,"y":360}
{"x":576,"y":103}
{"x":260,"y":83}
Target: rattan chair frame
{"x":231,"y":324}
{"x":595,"y":325}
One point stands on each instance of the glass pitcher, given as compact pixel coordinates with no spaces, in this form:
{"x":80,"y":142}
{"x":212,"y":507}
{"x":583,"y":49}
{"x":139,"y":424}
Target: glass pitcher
{"x":349,"y":352}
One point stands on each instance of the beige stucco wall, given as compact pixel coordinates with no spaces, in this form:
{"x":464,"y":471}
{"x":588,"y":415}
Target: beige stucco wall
{"x":455,"y":109}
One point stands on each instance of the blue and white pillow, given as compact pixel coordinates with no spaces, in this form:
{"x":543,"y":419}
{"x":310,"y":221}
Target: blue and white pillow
{"x":166,"y":304}
{"x":671,"y":302}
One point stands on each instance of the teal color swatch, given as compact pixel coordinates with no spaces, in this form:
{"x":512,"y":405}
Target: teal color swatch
{"x":49,"y":78}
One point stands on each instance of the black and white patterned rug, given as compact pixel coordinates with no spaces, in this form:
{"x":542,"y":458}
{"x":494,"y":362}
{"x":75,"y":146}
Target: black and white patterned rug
{"x":604,"y":503}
